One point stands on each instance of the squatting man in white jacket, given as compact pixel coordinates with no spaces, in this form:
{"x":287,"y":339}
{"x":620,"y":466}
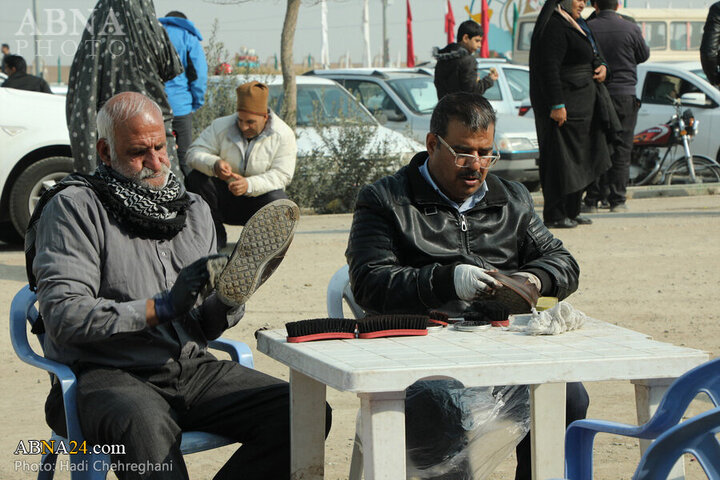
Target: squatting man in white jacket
{"x":243,"y":161}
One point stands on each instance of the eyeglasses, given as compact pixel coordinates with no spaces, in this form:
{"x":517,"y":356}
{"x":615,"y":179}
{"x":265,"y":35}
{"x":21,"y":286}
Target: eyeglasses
{"x":465,"y":160}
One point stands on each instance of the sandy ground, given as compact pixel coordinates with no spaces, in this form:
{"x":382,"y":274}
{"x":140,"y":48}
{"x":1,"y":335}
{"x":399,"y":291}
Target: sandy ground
{"x":655,"y":269}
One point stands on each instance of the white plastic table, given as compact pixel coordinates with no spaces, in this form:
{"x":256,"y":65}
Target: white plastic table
{"x":379,"y":370}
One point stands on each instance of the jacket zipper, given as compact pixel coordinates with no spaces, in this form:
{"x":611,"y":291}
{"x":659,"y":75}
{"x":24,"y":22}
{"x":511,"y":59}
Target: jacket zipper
{"x":464,"y":229}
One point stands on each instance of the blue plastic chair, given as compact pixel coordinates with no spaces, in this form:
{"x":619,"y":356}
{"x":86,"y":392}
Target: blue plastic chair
{"x":23,"y":310}
{"x":581,"y":433}
{"x":695,"y":436}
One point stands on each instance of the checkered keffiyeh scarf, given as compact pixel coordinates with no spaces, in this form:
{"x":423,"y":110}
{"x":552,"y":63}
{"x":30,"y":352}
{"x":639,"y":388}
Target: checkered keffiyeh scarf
{"x":148,"y":213}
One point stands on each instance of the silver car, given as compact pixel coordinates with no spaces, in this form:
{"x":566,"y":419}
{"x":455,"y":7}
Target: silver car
{"x":403,"y":100}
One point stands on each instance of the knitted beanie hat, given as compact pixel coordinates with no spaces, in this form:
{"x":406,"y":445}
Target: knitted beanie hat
{"x":252,"y":97}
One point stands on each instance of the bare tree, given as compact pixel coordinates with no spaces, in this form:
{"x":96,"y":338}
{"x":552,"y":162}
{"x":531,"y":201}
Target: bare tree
{"x":287,"y":40}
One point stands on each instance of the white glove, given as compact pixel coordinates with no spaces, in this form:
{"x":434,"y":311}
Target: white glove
{"x":531,"y":278}
{"x":470,"y":281}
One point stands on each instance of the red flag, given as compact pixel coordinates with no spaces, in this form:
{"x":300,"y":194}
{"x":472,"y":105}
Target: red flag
{"x":485,"y":48}
{"x":410,"y":47}
{"x":450,"y":23}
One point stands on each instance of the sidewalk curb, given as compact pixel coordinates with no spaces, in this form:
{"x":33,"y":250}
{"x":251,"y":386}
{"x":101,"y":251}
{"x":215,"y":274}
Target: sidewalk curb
{"x":652,"y":191}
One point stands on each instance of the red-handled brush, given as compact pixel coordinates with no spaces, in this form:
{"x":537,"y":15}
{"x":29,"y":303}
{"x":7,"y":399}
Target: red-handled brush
{"x":320,"y":329}
{"x":392,"y":326}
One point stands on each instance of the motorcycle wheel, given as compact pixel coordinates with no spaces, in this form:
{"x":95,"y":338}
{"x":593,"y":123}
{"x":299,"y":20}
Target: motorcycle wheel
{"x":706,"y":171}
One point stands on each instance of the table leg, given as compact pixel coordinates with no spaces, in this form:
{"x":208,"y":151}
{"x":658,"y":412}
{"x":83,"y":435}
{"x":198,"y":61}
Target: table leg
{"x":547,"y":430}
{"x":307,"y":427}
{"x":383,"y":435}
{"x":648,"y":394}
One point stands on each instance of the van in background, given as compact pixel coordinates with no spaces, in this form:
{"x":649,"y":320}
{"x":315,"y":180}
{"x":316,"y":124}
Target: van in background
{"x":673,"y":34}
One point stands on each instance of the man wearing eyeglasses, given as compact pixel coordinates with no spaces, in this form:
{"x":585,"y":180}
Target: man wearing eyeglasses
{"x":429,"y":236}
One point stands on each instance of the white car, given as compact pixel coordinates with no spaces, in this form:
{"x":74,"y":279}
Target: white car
{"x":512,"y":87}
{"x":34,"y":154}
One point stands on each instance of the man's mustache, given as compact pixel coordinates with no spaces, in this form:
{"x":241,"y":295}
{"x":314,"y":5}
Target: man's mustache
{"x":472,"y":175}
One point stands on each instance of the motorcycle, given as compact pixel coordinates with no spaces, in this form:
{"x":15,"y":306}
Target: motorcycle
{"x":648,"y":167}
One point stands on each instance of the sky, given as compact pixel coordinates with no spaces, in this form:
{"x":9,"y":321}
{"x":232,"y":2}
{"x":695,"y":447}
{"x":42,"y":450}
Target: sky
{"x":257,"y":24}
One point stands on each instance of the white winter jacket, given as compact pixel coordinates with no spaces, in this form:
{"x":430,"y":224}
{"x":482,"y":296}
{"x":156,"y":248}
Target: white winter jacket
{"x":270,"y":163}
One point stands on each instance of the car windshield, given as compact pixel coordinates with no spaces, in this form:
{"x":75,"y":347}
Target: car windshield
{"x":418,"y":93}
{"x":322,"y":105}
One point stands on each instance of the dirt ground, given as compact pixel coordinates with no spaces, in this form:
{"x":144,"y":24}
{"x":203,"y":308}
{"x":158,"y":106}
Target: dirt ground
{"x":654,"y":269}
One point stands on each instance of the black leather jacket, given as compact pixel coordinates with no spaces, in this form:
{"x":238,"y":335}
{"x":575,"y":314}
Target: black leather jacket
{"x":405,"y":242}
{"x":710,"y":45}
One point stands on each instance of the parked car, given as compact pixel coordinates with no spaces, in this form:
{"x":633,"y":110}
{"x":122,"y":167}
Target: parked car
{"x":35,"y":144}
{"x":403,"y":100}
{"x":512,"y":87}
{"x":34,"y":154}
{"x":658,"y":83}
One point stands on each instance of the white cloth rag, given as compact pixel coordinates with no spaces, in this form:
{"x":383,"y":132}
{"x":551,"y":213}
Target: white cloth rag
{"x":563,"y":317}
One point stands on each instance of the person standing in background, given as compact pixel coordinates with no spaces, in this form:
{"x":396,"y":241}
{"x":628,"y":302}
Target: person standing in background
{"x":710,"y":45}
{"x":456,"y":68}
{"x":16,"y":68}
{"x":123,"y":48}
{"x":6,"y":53}
{"x":624,"y":48}
{"x":186,"y":92}
{"x":565,"y":71}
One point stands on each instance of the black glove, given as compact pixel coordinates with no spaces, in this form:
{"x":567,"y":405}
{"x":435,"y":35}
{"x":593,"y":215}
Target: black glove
{"x":184,"y":293}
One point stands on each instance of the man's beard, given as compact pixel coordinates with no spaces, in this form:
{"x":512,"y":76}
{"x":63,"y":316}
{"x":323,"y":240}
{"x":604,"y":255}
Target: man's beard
{"x":140,"y":178}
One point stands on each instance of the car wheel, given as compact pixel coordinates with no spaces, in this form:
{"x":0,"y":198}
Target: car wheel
{"x":31,"y":184}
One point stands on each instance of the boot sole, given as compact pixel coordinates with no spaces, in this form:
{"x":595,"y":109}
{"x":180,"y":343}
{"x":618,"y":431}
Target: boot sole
{"x":262,"y":245}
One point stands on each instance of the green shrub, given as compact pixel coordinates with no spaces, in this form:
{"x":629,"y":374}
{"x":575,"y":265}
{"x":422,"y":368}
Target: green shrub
{"x":328,"y":181}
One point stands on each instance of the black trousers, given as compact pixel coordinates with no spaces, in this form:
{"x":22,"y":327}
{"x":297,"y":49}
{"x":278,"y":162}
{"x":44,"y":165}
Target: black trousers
{"x":182,"y":128}
{"x":147,"y":408}
{"x":612,"y":185}
{"x":558,"y":207}
{"x":224,"y":206}
{"x":434,"y":429}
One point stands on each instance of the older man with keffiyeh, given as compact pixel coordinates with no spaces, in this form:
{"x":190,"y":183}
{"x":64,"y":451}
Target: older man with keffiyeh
{"x":131,"y":291}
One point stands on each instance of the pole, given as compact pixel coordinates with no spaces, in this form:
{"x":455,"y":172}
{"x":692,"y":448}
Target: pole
{"x":37,"y":60}
{"x":386,"y":44}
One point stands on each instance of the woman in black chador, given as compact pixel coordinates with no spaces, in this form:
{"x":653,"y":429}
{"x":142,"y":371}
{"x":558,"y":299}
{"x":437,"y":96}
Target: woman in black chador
{"x":571,"y":110}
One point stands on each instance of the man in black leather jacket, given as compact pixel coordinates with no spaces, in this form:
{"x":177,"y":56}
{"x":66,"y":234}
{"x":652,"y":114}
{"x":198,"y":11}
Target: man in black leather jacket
{"x":424,"y":238}
{"x":710,"y":45}
{"x":456,"y":69}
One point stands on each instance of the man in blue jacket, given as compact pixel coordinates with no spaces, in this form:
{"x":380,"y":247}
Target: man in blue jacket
{"x":186,"y":92}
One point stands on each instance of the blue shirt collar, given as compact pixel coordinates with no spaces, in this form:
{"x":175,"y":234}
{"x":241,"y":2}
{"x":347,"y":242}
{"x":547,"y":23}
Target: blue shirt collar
{"x":469,"y":202}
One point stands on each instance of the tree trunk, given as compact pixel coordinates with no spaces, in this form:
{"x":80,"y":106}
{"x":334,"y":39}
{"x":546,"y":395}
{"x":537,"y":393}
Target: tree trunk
{"x":289,"y":109}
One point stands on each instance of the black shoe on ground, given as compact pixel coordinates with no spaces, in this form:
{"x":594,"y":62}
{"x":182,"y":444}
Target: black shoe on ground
{"x":262,"y":245}
{"x":580,"y":220}
{"x":564,"y":223}
{"x":604,"y":204}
